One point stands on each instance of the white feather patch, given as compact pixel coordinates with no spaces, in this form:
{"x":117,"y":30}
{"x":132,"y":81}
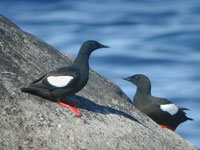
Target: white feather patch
{"x":170,"y":108}
{"x":59,"y":81}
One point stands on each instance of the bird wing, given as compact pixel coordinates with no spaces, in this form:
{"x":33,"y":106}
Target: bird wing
{"x":166,"y":101}
{"x":38,"y":80}
{"x":38,"y":83}
{"x":167,"y":106}
{"x":162,"y":100}
{"x":66,"y":77}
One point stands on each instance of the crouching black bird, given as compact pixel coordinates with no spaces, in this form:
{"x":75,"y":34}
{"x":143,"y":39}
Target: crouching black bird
{"x":162,"y":111}
{"x":65,"y":81}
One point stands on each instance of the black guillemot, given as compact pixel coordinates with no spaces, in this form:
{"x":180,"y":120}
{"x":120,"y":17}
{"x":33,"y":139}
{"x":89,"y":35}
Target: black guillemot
{"x":65,"y":81}
{"x":162,"y":111}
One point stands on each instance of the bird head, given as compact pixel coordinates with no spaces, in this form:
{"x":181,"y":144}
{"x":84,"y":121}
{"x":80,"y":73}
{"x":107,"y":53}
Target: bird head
{"x":139,"y":80}
{"x":92,"y":45}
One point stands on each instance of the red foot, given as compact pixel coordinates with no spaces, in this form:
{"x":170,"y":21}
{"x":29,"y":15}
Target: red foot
{"x":74,"y":110}
{"x":164,"y":126}
{"x":70,"y":102}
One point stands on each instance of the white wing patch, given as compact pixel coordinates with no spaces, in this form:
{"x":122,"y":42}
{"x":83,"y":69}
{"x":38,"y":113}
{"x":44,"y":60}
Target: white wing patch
{"x":59,"y":81}
{"x":170,"y":108}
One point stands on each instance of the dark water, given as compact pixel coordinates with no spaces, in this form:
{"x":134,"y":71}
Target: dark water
{"x":158,"y":38}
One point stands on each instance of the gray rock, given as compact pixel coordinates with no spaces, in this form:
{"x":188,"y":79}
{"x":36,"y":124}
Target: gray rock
{"x":108,"y":119}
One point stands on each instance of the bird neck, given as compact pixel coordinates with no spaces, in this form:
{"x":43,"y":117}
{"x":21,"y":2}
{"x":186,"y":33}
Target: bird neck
{"x":144,"y":91}
{"x":82,"y":59}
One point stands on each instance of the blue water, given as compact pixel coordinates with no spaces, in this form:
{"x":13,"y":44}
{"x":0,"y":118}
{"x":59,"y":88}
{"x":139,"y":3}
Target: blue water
{"x":158,"y":38}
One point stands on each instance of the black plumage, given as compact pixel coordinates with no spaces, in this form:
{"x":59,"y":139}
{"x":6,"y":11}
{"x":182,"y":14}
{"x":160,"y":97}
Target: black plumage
{"x":65,"y":81}
{"x":161,"y":110}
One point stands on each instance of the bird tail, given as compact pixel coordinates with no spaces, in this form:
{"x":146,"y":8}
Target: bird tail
{"x":44,"y":93}
{"x":190,"y":119}
{"x":30,"y":90}
{"x":182,"y":108}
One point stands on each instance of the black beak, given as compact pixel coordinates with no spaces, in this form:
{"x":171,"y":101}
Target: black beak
{"x":104,"y":46}
{"x":127,"y":79}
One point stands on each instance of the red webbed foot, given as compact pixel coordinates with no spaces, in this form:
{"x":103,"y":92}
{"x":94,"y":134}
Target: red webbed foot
{"x":74,"y":110}
{"x":164,"y":126}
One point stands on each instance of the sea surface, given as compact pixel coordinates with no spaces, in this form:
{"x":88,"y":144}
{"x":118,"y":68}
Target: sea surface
{"x":160,"y":39}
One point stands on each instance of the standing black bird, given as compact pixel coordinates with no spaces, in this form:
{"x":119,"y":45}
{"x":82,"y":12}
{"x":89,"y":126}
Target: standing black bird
{"x":65,"y":81}
{"x":162,"y":111}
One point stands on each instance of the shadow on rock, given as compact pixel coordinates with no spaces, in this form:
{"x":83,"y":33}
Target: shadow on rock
{"x":89,"y":105}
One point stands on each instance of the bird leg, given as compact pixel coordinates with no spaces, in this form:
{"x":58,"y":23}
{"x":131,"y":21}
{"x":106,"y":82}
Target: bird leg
{"x":74,"y":110}
{"x":164,"y":126}
{"x":70,"y":102}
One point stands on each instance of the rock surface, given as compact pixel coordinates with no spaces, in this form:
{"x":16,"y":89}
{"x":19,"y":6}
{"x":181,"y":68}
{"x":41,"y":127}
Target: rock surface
{"x":108,"y":119}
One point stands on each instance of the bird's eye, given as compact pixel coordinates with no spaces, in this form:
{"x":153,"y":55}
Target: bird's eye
{"x":136,"y":77}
